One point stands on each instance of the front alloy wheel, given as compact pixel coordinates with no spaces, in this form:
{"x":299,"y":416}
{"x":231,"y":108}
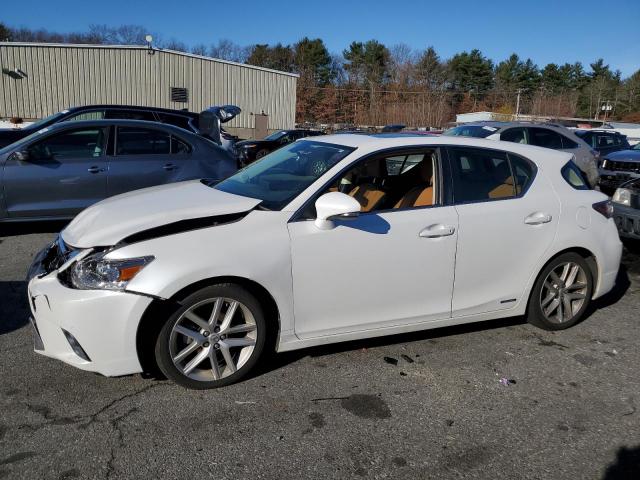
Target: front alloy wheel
{"x":214,"y":339}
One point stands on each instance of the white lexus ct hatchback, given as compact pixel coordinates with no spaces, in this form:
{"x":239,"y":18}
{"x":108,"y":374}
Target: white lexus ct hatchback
{"x":325,"y":240}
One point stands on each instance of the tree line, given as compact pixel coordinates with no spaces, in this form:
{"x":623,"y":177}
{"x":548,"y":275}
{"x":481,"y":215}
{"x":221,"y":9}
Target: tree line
{"x":369,"y":83}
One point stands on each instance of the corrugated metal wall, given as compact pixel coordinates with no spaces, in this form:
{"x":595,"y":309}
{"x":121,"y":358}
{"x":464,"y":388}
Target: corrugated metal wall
{"x":60,"y":76}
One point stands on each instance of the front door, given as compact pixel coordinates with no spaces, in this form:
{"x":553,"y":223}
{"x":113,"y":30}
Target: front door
{"x":65,"y":172}
{"x":508,"y":220}
{"x":391,"y":266}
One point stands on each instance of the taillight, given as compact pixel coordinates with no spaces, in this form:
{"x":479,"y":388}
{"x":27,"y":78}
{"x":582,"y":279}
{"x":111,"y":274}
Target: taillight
{"x":604,"y":208}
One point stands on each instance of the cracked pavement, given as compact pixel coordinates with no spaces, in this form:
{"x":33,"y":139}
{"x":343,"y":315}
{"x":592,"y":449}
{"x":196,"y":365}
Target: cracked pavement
{"x":568,"y":407}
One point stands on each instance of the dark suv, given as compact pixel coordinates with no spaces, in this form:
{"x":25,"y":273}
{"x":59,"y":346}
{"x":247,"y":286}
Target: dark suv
{"x":604,"y":141}
{"x":179,"y":118}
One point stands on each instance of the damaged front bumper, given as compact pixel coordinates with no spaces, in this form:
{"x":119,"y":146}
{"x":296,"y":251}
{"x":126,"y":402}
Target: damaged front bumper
{"x":93,"y":330}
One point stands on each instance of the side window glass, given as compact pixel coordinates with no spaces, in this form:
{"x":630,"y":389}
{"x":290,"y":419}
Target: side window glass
{"x":605,"y":141}
{"x":395,"y":182}
{"x":568,"y":143}
{"x":542,"y":137}
{"x":480,"y":175}
{"x":523,"y":172}
{"x":86,"y":143}
{"x":142,"y":141}
{"x":515,"y":135}
{"x":95,"y":115}
{"x":129,"y":115}
{"x":573,"y":176}
{"x":179,"y":146}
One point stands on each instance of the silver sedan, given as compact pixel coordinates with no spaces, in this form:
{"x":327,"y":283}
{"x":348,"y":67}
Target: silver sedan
{"x":58,"y":171}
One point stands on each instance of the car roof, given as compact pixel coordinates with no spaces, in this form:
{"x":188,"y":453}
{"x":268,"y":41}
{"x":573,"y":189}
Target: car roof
{"x":133,"y":107}
{"x":377,"y":142}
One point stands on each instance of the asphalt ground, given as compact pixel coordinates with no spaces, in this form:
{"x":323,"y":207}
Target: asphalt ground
{"x":423,"y":405}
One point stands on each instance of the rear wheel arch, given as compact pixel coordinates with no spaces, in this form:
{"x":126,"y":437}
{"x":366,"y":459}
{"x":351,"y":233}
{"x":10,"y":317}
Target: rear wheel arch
{"x":151,"y":322}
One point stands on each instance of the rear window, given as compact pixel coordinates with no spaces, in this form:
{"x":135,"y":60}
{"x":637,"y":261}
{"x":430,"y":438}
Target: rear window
{"x":477,"y":131}
{"x":573,"y":176}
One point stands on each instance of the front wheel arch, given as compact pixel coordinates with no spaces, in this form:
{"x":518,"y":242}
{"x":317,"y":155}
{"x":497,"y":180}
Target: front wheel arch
{"x":149,"y":326}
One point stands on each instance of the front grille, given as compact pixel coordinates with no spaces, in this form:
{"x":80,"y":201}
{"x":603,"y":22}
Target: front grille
{"x":617,"y":166}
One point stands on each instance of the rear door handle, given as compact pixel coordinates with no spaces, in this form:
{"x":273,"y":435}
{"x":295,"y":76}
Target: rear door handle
{"x":95,"y":169}
{"x":437,"y":230}
{"x":538,"y":218}
{"x":169,"y":166}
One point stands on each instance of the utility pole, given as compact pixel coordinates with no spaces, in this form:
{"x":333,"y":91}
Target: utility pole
{"x":519,"y":91}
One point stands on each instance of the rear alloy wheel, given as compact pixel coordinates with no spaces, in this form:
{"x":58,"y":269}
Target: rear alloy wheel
{"x":562,"y":293}
{"x":214,"y":339}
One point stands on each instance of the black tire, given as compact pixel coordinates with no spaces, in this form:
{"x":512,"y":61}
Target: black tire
{"x":164,"y":341}
{"x":261,"y":153}
{"x":535,"y":313}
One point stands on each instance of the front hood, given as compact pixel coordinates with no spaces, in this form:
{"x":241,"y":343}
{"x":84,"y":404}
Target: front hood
{"x":625,"y":156}
{"x":108,"y":222}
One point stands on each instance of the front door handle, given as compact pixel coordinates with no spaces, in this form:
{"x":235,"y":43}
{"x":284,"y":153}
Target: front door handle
{"x":169,"y":166}
{"x":538,"y":218}
{"x":437,"y":230}
{"x":95,"y":169}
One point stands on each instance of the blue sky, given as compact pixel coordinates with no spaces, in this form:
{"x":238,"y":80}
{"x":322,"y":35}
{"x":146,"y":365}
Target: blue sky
{"x":544,"y":30}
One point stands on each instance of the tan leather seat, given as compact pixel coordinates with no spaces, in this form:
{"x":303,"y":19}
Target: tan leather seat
{"x":369,"y":196}
{"x":507,"y":188}
{"x":421,"y":195}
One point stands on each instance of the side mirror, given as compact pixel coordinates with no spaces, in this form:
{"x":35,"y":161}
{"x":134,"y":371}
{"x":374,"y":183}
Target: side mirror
{"x":21,"y":155}
{"x":335,"y":205}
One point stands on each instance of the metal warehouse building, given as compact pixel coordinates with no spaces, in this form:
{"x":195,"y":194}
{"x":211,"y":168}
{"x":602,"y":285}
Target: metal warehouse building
{"x":40,"y":79}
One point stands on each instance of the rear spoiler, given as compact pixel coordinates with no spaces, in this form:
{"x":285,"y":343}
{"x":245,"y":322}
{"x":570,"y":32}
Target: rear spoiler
{"x":210,"y":120}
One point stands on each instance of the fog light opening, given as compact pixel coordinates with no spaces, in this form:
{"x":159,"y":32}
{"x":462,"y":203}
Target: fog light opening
{"x":75,"y":345}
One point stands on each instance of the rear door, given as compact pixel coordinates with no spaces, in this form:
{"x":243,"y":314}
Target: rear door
{"x":507,"y":220}
{"x":66,"y":172}
{"x":143,"y":157}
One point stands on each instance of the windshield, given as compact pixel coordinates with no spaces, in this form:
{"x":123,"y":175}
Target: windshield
{"x":478,"y":131}
{"x":281,"y":176}
{"x":636,"y":146}
{"x":47,"y":120}
{"x":276,"y":136}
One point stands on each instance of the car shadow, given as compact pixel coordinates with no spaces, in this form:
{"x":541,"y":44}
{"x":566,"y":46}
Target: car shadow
{"x":625,"y":466}
{"x":276,"y":361}
{"x":26,"y":228}
{"x":14,"y":309}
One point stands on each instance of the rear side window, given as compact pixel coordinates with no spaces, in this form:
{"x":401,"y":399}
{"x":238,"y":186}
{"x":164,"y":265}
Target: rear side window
{"x":543,"y":137}
{"x":179,"y":146}
{"x":478,"y":131}
{"x":523,"y":172}
{"x":568,"y":143}
{"x":573,"y":176}
{"x":480,"y":175}
{"x":515,"y":135}
{"x":142,"y":141}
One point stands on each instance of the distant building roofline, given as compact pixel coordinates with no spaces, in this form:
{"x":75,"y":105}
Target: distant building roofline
{"x":145,"y":48}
